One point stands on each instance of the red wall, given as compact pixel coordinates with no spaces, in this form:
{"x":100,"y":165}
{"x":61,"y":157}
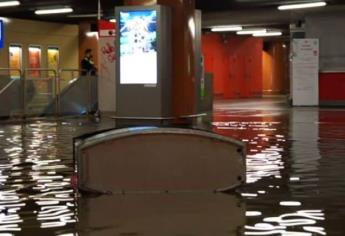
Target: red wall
{"x":236,"y":63}
{"x":214,"y":54}
{"x":332,"y":87}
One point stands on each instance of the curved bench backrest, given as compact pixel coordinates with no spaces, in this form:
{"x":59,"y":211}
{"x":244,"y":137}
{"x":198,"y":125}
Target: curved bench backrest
{"x":159,"y":159}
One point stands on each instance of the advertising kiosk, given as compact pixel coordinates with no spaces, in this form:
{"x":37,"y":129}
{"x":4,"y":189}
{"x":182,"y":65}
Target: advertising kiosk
{"x":143,"y":87}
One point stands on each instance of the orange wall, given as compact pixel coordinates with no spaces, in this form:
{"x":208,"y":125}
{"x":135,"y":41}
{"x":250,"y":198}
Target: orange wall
{"x":276,"y":69}
{"x":236,"y":63}
{"x":267,"y":61}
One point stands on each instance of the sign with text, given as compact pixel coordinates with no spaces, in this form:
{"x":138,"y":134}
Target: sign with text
{"x":305,"y":72}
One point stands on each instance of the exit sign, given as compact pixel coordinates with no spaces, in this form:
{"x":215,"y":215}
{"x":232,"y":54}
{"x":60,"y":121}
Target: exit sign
{"x":1,"y":34}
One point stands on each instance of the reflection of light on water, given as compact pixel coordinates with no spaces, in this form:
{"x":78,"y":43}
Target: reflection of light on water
{"x":253,"y":213}
{"x":280,"y":225}
{"x":33,"y":176}
{"x":261,"y":162}
{"x":294,"y":179}
{"x":249,"y":195}
{"x":317,"y":230}
{"x":264,"y":160}
{"x":290,"y":204}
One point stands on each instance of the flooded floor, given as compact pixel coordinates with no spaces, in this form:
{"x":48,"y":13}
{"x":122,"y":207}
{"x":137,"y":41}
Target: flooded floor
{"x":295,"y":180}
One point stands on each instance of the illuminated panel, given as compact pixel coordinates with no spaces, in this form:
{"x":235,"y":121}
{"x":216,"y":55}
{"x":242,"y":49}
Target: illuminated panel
{"x":15,"y":60}
{"x":138,"y":47}
{"x":1,"y":34}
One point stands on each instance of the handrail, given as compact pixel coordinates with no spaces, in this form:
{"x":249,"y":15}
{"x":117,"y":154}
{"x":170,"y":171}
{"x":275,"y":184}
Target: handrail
{"x":6,"y":87}
{"x":11,"y":69}
{"x":40,"y":70}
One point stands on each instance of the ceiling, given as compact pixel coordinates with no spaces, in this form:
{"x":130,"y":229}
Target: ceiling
{"x":81,"y":7}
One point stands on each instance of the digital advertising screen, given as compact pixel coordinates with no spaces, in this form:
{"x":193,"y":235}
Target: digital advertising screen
{"x":138,"y":47}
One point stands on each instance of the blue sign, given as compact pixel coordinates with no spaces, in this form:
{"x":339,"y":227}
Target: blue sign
{"x":1,"y":34}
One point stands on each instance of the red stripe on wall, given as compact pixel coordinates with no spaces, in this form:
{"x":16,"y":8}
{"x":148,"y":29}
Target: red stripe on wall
{"x":332,"y":86}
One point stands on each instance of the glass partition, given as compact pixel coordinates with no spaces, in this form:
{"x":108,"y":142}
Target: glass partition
{"x":11,"y":93}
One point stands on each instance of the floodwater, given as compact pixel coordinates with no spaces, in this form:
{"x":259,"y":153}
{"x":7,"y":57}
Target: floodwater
{"x":295,"y":180}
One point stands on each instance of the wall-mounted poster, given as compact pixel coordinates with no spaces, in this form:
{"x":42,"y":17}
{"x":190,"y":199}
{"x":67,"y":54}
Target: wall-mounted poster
{"x":15,"y":60}
{"x":138,"y":47}
{"x":34,"y":60}
{"x":53,"y":60}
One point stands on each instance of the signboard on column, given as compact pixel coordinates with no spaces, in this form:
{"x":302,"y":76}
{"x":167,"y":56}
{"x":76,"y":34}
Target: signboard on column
{"x":107,"y":81}
{"x":305,"y":72}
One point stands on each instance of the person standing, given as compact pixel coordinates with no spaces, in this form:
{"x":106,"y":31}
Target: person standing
{"x":87,"y":64}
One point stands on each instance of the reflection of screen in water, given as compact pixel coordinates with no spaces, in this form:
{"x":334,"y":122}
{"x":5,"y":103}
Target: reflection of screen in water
{"x":138,"y":47}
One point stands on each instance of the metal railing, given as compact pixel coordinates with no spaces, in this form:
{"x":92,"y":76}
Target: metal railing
{"x":34,"y":84}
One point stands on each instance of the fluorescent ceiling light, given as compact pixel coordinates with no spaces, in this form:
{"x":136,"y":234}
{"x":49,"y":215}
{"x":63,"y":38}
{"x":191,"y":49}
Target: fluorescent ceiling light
{"x":226,"y":28}
{"x":268,"y":34}
{"x":302,"y":5}
{"x":9,"y":3}
{"x":54,"y":11}
{"x":254,"y":31}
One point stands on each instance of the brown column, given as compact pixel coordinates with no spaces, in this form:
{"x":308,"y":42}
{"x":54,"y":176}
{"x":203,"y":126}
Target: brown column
{"x":183,"y":52}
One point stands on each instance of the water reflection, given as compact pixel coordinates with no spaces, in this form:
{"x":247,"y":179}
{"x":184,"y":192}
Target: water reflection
{"x":36,"y":197}
{"x":283,"y":156}
{"x":295,"y":180}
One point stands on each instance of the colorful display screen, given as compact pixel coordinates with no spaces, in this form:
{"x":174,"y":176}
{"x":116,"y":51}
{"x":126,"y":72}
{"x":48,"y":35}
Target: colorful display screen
{"x":1,"y":34}
{"x":138,"y":47}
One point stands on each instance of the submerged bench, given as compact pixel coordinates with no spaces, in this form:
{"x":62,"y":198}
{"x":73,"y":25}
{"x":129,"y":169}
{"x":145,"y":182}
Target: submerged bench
{"x":149,"y":159}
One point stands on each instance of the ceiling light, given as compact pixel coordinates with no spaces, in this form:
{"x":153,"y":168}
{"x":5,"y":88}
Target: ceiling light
{"x":92,"y":34}
{"x":302,"y":5}
{"x":54,"y":11}
{"x":268,"y":34}
{"x":9,"y":3}
{"x":226,"y":28}
{"x":113,"y":20}
{"x":254,"y":31}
